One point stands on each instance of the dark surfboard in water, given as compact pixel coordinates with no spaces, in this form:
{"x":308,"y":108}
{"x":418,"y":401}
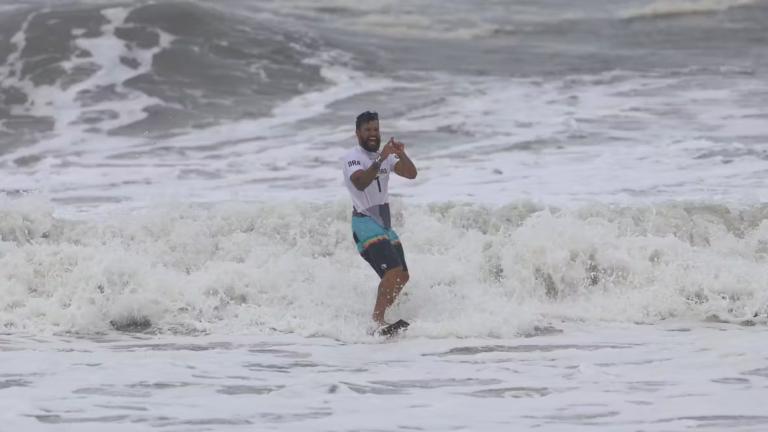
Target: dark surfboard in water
{"x":394,"y":329}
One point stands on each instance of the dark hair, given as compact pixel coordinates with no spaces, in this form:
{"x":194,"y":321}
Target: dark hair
{"x":366,"y":117}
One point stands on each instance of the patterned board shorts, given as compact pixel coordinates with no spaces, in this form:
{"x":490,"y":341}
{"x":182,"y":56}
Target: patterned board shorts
{"x":378,"y":245}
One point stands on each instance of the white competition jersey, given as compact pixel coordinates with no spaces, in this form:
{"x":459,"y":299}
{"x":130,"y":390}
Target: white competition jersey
{"x":374,"y":200}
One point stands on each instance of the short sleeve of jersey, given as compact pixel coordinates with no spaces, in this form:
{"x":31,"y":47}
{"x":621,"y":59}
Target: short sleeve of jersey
{"x":352,"y":163}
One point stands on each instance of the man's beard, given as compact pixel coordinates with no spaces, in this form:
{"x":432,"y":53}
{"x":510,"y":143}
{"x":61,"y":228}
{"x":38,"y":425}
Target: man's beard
{"x":367,"y":145}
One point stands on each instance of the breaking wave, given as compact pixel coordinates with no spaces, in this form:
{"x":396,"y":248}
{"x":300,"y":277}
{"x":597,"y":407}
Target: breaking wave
{"x":476,"y":271}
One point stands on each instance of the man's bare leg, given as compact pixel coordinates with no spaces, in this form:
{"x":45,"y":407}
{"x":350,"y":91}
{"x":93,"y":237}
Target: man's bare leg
{"x":389,"y":288}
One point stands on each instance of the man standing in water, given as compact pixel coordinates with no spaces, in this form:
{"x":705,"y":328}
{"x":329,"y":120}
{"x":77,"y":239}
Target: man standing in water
{"x":366,"y":175}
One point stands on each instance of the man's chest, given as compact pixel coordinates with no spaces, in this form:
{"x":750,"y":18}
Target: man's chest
{"x":363,"y":163}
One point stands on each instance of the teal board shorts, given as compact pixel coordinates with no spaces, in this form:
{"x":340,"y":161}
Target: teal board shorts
{"x":378,"y":245}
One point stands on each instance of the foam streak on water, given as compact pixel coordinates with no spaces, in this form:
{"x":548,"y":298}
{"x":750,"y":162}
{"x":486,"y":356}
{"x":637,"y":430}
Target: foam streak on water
{"x":73,"y":105}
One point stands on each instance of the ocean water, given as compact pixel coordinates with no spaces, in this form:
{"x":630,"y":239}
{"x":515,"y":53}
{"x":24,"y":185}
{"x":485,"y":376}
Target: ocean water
{"x":587,"y":236}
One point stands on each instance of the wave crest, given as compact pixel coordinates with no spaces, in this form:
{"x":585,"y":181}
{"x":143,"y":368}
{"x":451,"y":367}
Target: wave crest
{"x":476,"y":271}
{"x":665,"y":8}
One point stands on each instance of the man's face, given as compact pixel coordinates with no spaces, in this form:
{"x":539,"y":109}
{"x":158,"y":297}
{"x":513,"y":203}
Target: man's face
{"x":369,"y":137}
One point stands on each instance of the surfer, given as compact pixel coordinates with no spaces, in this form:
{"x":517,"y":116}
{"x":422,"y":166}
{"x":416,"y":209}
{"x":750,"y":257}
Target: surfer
{"x":366,"y":175}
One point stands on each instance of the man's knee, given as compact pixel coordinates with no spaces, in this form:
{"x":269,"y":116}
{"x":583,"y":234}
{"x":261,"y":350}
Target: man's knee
{"x":404,"y":276}
{"x":400,"y":277}
{"x":397,"y":275}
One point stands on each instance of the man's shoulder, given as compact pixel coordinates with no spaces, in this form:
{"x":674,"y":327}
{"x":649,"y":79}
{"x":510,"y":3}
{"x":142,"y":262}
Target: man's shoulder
{"x":353,"y":159}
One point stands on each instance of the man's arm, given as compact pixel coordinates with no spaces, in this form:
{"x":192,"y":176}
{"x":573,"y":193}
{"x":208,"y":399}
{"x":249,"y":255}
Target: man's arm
{"x":404,"y":167}
{"x":362,"y":178}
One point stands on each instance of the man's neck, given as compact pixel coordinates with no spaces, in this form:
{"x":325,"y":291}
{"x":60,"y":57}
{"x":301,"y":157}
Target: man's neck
{"x":369,"y":153}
